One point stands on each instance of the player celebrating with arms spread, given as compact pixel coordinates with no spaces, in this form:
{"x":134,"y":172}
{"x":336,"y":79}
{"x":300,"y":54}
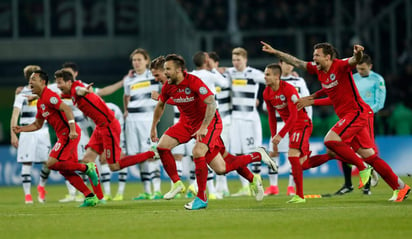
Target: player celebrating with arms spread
{"x":63,"y":156}
{"x":351,"y":132}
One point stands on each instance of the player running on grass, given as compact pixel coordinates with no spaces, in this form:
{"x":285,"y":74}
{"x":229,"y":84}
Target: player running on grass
{"x":198,"y":119}
{"x":105,"y":140}
{"x":63,"y":156}
{"x":353,"y":126}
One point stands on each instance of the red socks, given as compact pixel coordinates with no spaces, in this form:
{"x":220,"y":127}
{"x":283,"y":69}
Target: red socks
{"x":135,"y":159}
{"x":235,"y":162}
{"x":169,"y":163}
{"x":315,"y":161}
{"x":297,"y":175}
{"x":201,"y":176}
{"x":76,"y":181}
{"x":346,"y":153}
{"x":384,"y":170}
{"x":246,"y":173}
{"x":68,"y":166}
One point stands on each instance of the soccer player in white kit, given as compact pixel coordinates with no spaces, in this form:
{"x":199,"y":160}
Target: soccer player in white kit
{"x":283,"y":147}
{"x":32,"y":147}
{"x":246,"y":129}
{"x":223,"y":97}
{"x":138,"y":112}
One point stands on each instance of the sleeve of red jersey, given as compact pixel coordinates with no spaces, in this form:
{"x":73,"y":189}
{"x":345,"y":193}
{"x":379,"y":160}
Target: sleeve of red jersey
{"x":292,"y":96}
{"x":271,"y":114}
{"x":201,"y":89}
{"x":311,"y":67}
{"x":323,"y":101}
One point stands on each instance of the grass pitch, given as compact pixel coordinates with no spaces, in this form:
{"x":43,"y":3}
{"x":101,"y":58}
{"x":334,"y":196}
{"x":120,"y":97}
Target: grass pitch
{"x":350,"y":216}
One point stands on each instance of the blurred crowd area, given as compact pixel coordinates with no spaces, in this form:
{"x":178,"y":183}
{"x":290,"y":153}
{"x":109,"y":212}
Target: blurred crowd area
{"x":213,"y":15}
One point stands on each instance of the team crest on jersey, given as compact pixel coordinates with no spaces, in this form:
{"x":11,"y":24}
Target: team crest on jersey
{"x":203,"y":90}
{"x":282,"y":97}
{"x":332,"y":77}
{"x":54,"y":100}
{"x":188,"y":91}
{"x":42,"y":106}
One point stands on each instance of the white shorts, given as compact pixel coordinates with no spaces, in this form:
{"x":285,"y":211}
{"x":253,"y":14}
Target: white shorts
{"x":137,"y":134}
{"x":283,"y":146}
{"x":34,"y":146}
{"x":245,"y":136}
{"x":81,"y":147}
{"x":184,"y":149}
{"x":225,"y":135}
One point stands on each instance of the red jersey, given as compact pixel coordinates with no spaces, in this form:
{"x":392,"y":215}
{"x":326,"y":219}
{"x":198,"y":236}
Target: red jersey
{"x":338,"y":84}
{"x":48,"y":109}
{"x":92,"y":106}
{"x":283,"y":100}
{"x":188,"y":96}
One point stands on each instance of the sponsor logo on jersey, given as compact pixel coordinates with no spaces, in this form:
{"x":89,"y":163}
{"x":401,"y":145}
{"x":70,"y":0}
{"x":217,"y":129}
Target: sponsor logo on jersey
{"x":203,"y":90}
{"x":184,"y":100}
{"x":45,"y":114}
{"x":33,"y":102}
{"x":281,"y":106}
{"x":239,"y":82}
{"x":140,"y":85}
{"x":328,"y":86}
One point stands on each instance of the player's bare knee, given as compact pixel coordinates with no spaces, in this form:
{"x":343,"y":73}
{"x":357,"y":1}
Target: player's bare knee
{"x":114,"y":167}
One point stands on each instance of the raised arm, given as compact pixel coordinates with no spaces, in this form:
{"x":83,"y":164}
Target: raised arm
{"x":110,"y":89}
{"x":284,"y":56}
{"x":357,"y":55}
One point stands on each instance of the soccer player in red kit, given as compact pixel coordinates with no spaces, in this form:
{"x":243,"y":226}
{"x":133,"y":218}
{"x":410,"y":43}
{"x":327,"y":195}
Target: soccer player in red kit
{"x":63,"y":156}
{"x":105,"y":140}
{"x":198,"y":119}
{"x":281,"y":96}
{"x":352,"y":129}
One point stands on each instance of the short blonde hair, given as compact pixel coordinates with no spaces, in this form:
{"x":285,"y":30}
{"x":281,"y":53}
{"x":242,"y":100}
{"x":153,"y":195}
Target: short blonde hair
{"x":29,"y":69}
{"x":240,"y":52}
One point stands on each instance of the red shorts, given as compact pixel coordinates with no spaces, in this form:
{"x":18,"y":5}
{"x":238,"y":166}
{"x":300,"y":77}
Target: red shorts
{"x":366,"y":138}
{"x":107,"y":140}
{"x":218,"y":148}
{"x":65,"y":149}
{"x":183,"y":132}
{"x":299,"y":138}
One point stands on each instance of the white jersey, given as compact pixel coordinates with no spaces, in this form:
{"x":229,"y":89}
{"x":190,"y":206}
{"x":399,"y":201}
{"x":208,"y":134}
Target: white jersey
{"x":139,"y":88}
{"x":119,"y":116}
{"x":33,"y":146}
{"x":53,"y":87}
{"x":28,"y":109}
{"x":245,"y":86}
{"x":300,"y":85}
{"x":211,"y":79}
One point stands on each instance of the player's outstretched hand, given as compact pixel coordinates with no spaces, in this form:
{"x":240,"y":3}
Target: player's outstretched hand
{"x":303,"y":102}
{"x":357,"y":48}
{"x":267,"y":48}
